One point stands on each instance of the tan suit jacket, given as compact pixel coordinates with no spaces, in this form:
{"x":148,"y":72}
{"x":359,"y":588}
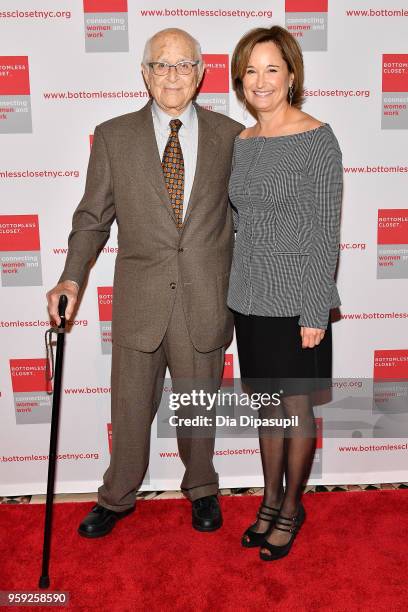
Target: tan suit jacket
{"x":155,"y":260}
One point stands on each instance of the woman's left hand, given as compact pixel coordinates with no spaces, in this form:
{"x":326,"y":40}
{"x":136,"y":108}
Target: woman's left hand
{"x":311,"y":336}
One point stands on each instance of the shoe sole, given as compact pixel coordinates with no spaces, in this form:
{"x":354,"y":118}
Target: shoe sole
{"x":207,"y":529}
{"x":92,"y":536}
{"x":95,"y":535}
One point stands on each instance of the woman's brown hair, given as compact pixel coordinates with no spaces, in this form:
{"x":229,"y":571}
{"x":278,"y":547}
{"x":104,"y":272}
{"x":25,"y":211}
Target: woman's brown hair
{"x":289,"y":48}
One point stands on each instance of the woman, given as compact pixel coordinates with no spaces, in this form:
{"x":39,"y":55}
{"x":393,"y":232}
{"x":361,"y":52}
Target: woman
{"x":286,"y":190}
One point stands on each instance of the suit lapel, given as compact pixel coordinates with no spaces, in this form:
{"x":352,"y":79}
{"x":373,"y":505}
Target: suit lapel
{"x":148,"y":156}
{"x":149,"y":159}
{"x":206,"y":154}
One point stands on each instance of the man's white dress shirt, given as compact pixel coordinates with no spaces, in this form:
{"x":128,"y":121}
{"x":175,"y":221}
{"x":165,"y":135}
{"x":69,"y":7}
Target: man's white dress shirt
{"x":188,"y":136}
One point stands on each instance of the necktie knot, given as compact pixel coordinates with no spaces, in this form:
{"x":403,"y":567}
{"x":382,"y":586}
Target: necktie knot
{"x":175,"y":125}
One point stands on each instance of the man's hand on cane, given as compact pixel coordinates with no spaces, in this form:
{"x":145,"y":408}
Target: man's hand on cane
{"x":71,"y":290}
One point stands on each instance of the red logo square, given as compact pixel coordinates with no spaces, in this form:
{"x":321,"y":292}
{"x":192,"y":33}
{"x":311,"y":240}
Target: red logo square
{"x":390,"y":364}
{"x":19,"y":233}
{"x":105,"y":6}
{"x":395,"y":72}
{"x":228,"y":366}
{"x":306,"y":6}
{"x":29,"y":375}
{"x":14,"y":75}
{"x":105,"y":301}
{"x":216,"y":77}
{"x":319,"y":432}
{"x":393,"y":226}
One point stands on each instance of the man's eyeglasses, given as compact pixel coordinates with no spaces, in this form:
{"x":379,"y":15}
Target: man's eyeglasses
{"x":163,"y":68}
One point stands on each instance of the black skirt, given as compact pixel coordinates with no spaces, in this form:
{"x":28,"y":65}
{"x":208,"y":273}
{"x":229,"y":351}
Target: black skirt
{"x":272,"y":359}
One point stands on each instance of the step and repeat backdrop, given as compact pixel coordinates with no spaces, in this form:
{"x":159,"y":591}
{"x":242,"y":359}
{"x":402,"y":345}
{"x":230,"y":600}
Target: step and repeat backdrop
{"x":65,"y":67}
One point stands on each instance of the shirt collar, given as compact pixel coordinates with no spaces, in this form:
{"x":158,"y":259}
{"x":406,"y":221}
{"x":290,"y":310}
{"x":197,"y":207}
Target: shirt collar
{"x":163,"y":119}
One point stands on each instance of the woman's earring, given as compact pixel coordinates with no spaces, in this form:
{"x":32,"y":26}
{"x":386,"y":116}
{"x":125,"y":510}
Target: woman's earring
{"x":290,"y":94}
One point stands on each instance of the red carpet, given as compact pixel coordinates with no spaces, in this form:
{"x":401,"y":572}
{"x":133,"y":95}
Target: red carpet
{"x":350,"y":555}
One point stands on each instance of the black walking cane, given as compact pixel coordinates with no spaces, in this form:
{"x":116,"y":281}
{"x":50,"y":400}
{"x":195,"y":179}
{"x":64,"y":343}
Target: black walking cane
{"x":44,"y":581}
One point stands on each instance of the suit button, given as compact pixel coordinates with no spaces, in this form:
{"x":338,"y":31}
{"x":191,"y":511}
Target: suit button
{"x":181,"y":250}
{"x":172,"y":285}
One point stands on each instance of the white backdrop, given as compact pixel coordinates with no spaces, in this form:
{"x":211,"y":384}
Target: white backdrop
{"x":63,"y":71}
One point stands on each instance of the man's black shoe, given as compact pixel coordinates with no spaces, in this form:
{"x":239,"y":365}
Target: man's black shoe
{"x":100,"y":521}
{"x":207,"y":513}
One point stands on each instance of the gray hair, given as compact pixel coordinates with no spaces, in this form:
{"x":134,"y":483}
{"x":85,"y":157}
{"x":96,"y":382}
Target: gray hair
{"x":196,"y":45}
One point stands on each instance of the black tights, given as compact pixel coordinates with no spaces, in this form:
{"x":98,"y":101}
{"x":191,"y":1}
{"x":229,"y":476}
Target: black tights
{"x":288,"y":454}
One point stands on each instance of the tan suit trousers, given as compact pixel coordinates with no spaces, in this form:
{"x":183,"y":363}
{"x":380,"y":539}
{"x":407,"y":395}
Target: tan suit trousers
{"x":136,"y":386}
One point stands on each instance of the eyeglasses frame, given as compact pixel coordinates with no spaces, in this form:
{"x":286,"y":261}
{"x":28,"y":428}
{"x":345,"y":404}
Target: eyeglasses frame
{"x":195,"y":63}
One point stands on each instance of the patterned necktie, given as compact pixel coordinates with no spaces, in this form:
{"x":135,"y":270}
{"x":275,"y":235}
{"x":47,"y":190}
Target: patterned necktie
{"x":173,"y":170}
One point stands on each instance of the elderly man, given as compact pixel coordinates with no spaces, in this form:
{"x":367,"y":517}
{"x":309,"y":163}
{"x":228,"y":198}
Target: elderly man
{"x":162,"y":173}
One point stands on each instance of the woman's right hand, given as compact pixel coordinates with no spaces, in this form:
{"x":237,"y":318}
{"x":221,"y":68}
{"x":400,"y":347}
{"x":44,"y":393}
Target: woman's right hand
{"x":311,"y":336}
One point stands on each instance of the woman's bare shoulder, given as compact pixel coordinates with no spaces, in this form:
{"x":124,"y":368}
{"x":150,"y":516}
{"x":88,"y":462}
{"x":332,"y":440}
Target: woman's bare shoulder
{"x":302,"y":122}
{"x":307,"y":122}
{"x":247,"y":133}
